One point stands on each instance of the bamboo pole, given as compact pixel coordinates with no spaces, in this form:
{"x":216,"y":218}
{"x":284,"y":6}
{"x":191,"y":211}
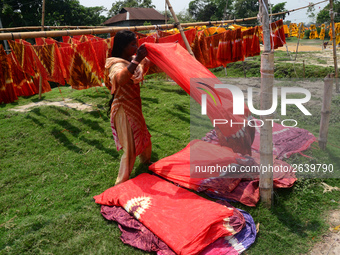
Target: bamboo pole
{"x":42,"y":29}
{"x":267,"y":80}
{"x":331,"y":13}
{"x":48,"y":28}
{"x":104,"y":30}
{"x":5,"y":42}
{"x":244,"y":69}
{"x":165,"y":14}
{"x":180,"y":28}
{"x":304,"y":69}
{"x":326,"y":110}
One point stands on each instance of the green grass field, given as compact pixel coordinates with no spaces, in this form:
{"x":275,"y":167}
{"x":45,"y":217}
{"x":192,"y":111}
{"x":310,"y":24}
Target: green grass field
{"x":53,"y":160}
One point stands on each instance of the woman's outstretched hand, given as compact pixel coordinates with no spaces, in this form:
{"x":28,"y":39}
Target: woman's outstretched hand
{"x":141,"y":53}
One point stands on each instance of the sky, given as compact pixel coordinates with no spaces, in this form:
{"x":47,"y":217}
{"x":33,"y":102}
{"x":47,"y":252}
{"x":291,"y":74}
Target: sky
{"x":182,"y":5}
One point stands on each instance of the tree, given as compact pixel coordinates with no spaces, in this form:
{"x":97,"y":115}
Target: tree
{"x":280,"y":7}
{"x":311,"y":13}
{"x":183,"y":17}
{"x":202,"y":10}
{"x":117,"y":6}
{"x":323,"y":15}
{"x":206,"y":10}
{"x":246,"y":9}
{"x":57,"y":12}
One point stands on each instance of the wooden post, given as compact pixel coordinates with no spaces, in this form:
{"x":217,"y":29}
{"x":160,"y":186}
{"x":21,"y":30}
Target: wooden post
{"x":165,"y":14}
{"x":5,"y":41}
{"x":42,"y":29}
{"x":266,"y":138}
{"x":297,"y":45}
{"x":304,"y":69}
{"x":244,"y":69}
{"x":180,"y":29}
{"x":331,"y":13}
{"x":326,"y":110}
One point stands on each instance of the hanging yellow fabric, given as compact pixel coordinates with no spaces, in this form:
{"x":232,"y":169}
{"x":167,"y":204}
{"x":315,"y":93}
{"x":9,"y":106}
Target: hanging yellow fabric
{"x":313,"y":33}
{"x":322,"y":32}
{"x":286,"y":30}
{"x":293,"y":29}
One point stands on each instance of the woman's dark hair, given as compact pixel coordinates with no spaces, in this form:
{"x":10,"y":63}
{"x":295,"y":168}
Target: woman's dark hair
{"x":121,"y":40}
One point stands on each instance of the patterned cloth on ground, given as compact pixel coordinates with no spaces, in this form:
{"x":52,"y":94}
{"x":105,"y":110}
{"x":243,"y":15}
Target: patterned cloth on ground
{"x":172,"y":213}
{"x":137,"y":235}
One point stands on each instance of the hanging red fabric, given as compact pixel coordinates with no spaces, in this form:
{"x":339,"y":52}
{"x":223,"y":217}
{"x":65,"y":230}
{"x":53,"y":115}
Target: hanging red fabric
{"x":199,"y":48}
{"x":189,"y":34}
{"x":255,"y":44}
{"x":84,"y":69}
{"x":22,"y":83}
{"x":49,"y":57}
{"x":224,"y":52}
{"x":237,"y":50}
{"x":7,"y":93}
{"x":194,"y":78}
{"x":212,"y":43}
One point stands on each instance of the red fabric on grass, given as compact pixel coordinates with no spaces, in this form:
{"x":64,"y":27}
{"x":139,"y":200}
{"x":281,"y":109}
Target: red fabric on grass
{"x":176,"y":167}
{"x":186,"y":222}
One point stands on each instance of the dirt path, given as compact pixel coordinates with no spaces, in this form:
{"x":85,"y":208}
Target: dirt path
{"x":330,"y":244}
{"x":66,"y":103}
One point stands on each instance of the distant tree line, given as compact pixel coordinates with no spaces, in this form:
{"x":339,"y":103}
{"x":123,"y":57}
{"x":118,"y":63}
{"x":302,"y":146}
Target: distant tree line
{"x":17,"y":13}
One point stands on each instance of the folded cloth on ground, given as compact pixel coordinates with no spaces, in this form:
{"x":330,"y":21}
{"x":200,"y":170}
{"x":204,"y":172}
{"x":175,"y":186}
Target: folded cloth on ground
{"x":286,"y":140}
{"x":137,"y":235}
{"x":234,"y":245}
{"x":178,"y":168}
{"x":186,"y":222}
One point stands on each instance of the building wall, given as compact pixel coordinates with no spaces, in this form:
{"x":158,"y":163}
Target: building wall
{"x":132,"y":23}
